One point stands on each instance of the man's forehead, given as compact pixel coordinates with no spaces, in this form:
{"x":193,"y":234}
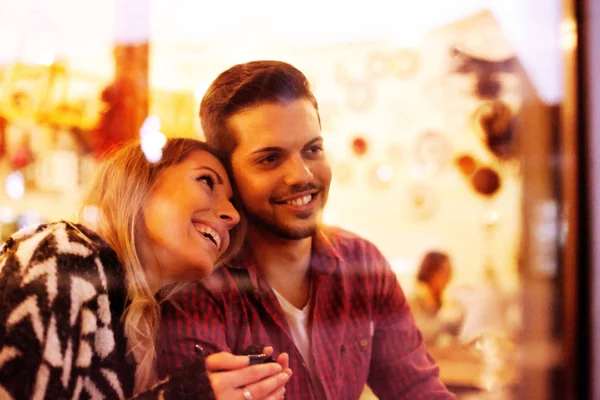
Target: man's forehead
{"x":275,"y":125}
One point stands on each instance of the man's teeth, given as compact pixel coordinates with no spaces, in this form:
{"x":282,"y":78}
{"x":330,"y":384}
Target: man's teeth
{"x":301,"y":201}
{"x":210,"y":234}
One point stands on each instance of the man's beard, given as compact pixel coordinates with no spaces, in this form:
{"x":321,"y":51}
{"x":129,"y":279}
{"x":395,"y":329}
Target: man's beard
{"x":271,"y":225}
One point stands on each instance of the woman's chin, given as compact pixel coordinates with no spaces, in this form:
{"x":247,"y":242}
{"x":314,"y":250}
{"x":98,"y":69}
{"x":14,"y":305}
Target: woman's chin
{"x":203,"y":271}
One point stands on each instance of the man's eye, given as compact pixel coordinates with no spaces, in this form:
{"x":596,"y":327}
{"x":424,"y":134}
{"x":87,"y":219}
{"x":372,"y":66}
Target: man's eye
{"x":268,"y":159}
{"x":314,"y":150}
{"x":207,"y":179}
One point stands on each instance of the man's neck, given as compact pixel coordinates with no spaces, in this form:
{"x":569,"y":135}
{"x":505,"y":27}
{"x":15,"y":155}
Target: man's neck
{"x":285,"y":264}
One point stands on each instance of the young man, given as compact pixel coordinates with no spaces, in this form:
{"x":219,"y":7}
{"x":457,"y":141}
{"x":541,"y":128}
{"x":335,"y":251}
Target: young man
{"x":325,"y":296}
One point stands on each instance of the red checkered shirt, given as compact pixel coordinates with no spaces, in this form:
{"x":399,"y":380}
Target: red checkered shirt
{"x":362,"y":328}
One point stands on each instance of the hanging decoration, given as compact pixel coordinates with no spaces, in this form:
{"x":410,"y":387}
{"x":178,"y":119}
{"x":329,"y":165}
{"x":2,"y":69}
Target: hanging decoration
{"x":467,"y":164}
{"x":483,"y":179}
{"x":486,"y":181}
{"x":496,"y":123}
{"x":360,"y":145}
{"x":488,"y":84}
{"x":109,"y":131}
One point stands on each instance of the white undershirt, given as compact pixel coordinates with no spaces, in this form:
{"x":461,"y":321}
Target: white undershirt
{"x":298,"y":321}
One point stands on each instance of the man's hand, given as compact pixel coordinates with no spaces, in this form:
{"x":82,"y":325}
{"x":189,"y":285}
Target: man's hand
{"x":232,"y":378}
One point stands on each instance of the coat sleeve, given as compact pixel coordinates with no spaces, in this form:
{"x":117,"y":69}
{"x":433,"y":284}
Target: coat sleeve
{"x":57,"y":334}
{"x":195,"y":323}
{"x":401,"y":367}
{"x":188,"y":382}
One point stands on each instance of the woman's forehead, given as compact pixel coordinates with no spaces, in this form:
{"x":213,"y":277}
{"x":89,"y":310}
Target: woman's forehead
{"x":202,"y":158}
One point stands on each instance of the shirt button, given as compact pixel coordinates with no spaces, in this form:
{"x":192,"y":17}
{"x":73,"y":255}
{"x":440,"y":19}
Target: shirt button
{"x":364,"y":343}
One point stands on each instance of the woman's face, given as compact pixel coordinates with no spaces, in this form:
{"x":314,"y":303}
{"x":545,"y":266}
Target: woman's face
{"x":186,"y":220}
{"x":442,"y":277}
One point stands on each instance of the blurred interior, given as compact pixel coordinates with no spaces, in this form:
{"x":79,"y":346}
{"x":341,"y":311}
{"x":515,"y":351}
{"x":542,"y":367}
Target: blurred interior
{"x":458,"y":126}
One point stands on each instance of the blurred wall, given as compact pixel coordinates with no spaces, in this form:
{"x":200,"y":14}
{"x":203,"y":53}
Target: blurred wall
{"x":342,"y":50}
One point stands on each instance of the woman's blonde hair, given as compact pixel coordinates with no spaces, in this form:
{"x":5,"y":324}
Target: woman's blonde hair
{"x":123,"y":181}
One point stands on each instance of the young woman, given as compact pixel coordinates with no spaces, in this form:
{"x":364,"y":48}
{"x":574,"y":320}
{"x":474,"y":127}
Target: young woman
{"x":80,"y":304}
{"x":435,"y":315}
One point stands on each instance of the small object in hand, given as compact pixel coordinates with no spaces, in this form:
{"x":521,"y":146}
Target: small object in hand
{"x":247,"y":394}
{"x":260,"y":359}
{"x":256,"y":355}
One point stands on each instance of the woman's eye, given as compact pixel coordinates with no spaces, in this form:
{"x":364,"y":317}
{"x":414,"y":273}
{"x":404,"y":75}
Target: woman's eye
{"x":210,"y":182}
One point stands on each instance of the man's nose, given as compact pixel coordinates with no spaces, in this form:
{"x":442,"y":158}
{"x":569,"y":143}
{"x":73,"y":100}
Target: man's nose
{"x":297,"y":171}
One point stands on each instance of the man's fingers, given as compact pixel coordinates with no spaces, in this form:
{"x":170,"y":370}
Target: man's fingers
{"x":225,"y":362}
{"x":284,"y":361}
{"x":277,"y":394}
{"x":270,"y":388}
{"x":245,"y":376}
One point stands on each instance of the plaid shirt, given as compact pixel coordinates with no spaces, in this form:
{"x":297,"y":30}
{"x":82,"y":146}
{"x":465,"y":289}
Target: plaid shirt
{"x":362,"y":328}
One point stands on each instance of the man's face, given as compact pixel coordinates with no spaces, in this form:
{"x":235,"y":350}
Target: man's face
{"x":280,"y":167}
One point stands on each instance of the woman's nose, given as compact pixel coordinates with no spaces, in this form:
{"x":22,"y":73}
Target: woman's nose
{"x":229,"y":214}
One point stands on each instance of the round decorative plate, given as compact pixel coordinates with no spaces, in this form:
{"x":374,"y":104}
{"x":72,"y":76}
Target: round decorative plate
{"x":377,"y":64}
{"x":360,"y":95}
{"x":432,"y":151}
{"x":404,"y":63}
{"x":420,"y":202}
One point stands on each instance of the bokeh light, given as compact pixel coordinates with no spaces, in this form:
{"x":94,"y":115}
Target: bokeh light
{"x":15,"y":185}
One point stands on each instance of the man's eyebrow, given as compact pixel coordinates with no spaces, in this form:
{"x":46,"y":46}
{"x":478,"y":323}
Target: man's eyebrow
{"x":315,"y":140}
{"x":267,"y":149}
{"x":276,"y":149}
{"x":219,"y":178}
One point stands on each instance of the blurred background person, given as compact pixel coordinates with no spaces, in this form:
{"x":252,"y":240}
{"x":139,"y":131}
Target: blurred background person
{"x":436,"y":315}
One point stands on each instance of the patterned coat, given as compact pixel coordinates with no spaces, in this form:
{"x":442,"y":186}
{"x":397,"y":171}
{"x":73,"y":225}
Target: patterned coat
{"x":62,"y":296}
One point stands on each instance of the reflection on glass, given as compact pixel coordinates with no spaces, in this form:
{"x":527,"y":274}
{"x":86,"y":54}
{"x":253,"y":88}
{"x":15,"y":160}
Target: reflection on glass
{"x":423,"y":127}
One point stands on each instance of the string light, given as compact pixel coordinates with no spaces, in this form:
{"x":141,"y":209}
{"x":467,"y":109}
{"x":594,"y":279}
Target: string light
{"x":568,"y":34}
{"x":15,"y":185}
{"x":152,"y":140}
{"x":384,"y":173}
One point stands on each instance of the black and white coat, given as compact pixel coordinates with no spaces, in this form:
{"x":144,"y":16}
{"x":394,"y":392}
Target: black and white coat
{"x":62,"y":296}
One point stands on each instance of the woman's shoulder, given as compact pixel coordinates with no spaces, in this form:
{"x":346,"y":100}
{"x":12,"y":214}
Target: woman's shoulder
{"x":62,"y":245}
{"x":60,"y":237}
{"x":58,"y":290}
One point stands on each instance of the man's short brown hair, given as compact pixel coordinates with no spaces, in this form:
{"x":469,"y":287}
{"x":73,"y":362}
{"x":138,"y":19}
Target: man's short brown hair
{"x":246,"y":85}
